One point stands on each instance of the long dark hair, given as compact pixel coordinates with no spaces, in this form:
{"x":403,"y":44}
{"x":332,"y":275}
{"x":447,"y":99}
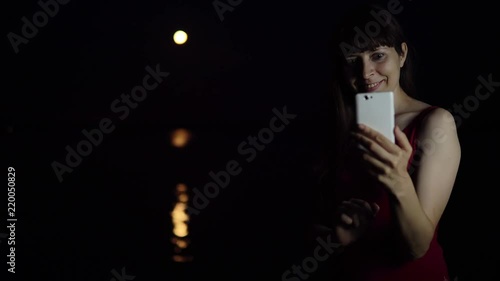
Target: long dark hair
{"x":364,"y":29}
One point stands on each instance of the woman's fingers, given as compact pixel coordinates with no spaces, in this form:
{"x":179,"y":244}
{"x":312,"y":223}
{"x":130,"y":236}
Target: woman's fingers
{"x":375,"y":207}
{"x":361,"y":203}
{"x":353,"y":219}
{"x":374,"y":164}
{"x":356,"y":212}
{"x":372,"y":146}
{"x":377,"y":137}
{"x":356,"y":220}
{"x":346,"y":219}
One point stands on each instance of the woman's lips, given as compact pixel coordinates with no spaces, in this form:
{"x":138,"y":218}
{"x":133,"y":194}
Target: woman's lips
{"x":373,"y":86}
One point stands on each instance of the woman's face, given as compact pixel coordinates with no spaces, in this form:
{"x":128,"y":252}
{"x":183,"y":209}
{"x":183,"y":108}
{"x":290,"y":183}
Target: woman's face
{"x":377,"y":70}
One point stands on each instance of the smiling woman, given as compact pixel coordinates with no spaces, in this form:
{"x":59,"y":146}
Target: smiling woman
{"x":382,"y":207}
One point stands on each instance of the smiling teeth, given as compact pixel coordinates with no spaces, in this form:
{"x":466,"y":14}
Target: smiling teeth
{"x":372,"y":85}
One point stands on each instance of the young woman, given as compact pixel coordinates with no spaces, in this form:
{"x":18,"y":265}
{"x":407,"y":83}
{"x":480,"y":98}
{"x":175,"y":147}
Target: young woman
{"x":384,"y":205}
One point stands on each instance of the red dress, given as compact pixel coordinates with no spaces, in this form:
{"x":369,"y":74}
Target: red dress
{"x":378,"y":255}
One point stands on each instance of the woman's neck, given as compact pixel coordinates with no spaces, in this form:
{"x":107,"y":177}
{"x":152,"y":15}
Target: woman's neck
{"x":401,"y":101}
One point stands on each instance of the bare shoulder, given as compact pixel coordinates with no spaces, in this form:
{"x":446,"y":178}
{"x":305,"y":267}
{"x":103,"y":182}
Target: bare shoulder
{"x":439,"y":127}
{"x":439,"y":118}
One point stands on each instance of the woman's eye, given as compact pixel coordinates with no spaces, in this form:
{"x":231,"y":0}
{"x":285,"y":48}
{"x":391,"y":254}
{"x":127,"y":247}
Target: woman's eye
{"x":351,"y":60}
{"x":378,"y":56}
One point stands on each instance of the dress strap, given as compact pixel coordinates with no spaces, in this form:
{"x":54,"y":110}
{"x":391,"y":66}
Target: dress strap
{"x":416,"y":121}
{"x":411,"y":131}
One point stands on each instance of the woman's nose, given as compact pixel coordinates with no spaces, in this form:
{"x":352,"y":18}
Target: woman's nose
{"x":367,"y":70}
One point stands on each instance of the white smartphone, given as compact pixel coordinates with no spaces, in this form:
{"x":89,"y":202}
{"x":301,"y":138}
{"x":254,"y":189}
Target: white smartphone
{"x":376,"y":110}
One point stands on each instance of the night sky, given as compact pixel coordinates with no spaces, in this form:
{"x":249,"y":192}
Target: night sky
{"x":238,"y":70}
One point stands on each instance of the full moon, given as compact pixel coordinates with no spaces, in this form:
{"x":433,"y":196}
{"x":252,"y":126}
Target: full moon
{"x":180,"y":37}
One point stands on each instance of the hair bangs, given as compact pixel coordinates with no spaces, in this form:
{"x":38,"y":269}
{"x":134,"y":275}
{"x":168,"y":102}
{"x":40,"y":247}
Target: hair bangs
{"x":364,"y":31}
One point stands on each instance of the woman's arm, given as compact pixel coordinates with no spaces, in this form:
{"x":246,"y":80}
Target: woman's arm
{"x":419,"y":199}
{"x":419,"y":206}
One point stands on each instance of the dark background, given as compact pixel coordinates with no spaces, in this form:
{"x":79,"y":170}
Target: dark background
{"x":113,"y":210}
